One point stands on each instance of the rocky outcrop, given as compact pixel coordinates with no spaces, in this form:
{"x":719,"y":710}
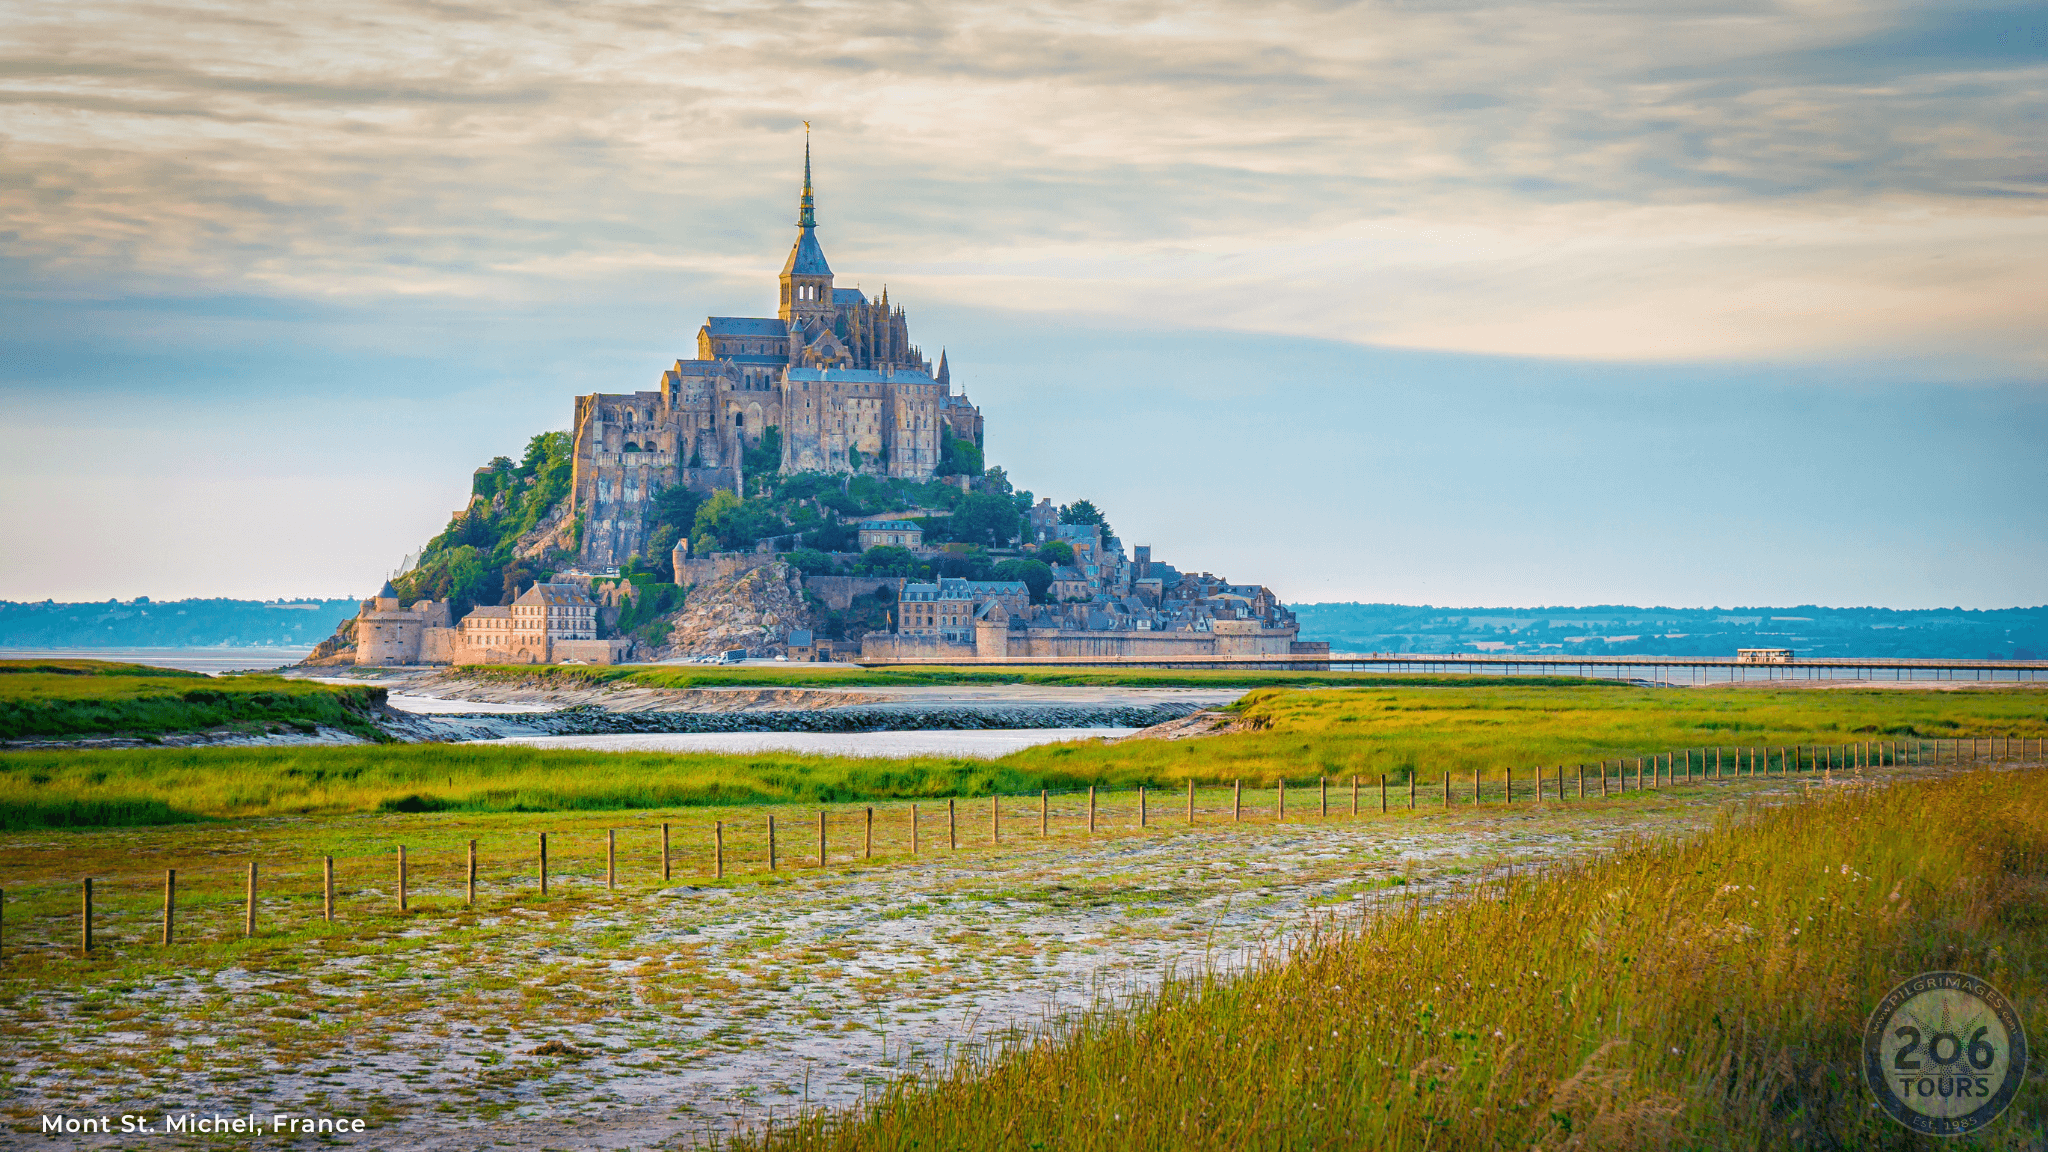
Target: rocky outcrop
{"x":336,"y":650}
{"x":554,"y":535}
{"x":755,"y":610}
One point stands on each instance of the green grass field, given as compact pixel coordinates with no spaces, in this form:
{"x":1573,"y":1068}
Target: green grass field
{"x":1705,"y":995}
{"x":1293,"y":735}
{"x":64,"y":699}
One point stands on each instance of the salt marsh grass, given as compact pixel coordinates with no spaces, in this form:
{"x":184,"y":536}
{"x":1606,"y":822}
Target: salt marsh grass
{"x":1706,"y":994}
{"x":1280,"y":734}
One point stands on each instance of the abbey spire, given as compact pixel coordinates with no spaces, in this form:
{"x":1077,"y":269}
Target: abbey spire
{"x":806,"y":277}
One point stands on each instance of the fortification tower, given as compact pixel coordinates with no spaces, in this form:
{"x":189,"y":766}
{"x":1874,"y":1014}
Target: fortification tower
{"x":806,"y":278}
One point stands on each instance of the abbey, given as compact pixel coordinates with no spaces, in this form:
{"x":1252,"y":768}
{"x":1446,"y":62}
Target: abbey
{"x":833,"y":376}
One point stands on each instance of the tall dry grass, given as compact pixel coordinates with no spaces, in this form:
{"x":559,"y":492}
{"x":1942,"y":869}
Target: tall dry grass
{"x":1704,"y":995}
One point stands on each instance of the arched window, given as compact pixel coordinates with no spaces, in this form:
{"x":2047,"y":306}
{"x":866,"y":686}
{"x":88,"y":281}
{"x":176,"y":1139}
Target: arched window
{"x":739,"y":419}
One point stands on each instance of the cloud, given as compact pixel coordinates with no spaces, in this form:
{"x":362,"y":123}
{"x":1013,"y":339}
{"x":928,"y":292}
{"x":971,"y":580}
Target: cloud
{"x":1720,"y":178}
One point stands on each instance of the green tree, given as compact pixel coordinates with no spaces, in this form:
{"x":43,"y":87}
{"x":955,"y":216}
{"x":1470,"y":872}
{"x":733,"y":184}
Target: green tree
{"x":997,"y":481}
{"x":958,"y":458}
{"x":812,"y":562}
{"x":1085,"y":512}
{"x":985,"y":518}
{"x":1056,"y":552}
{"x":1033,"y":573}
{"x":677,"y":504}
{"x":887,"y":560}
{"x":765,"y":457}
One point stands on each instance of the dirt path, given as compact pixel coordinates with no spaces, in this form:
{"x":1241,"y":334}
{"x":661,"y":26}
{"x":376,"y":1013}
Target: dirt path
{"x":652,"y":1016}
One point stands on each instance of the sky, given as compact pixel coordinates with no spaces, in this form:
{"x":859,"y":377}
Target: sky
{"x":1685,"y":303}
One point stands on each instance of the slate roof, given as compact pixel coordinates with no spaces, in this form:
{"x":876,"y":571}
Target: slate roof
{"x":745,"y":326}
{"x":806,"y":258}
{"x":847,"y":297}
{"x":695,"y":368}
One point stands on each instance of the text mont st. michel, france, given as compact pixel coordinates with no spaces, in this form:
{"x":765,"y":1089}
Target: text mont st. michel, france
{"x":194,"y":1123}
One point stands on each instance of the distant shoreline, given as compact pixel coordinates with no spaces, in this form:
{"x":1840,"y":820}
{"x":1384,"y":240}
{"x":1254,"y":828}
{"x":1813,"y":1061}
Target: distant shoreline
{"x":194,"y":658}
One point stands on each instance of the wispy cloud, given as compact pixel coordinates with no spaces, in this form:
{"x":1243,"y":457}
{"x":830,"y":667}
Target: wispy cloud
{"x":1713,"y":178}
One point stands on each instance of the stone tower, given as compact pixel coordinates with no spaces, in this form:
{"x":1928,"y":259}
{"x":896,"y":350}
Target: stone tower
{"x":806,"y":278}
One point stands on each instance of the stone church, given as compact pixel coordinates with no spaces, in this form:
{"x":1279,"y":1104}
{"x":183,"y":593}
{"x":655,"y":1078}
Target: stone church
{"x":833,"y":372}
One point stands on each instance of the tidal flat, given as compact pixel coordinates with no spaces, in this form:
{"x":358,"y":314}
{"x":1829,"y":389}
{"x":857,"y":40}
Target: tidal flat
{"x":666,"y":1013}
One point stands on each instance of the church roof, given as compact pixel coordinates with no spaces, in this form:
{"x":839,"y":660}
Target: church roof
{"x":696,"y":368}
{"x":805,"y":257}
{"x":847,"y":297}
{"x":745,"y":326}
{"x":387,"y":590}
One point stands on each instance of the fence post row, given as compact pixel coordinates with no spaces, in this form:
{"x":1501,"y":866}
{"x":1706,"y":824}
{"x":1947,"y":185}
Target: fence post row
{"x":1790,"y":759}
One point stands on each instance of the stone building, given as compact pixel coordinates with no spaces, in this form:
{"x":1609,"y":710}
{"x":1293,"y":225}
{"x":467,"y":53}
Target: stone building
{"x":547,"y":624}
{"x":833,"y":372}
{"x":1103,"y":606}
{"x":387,"y":635}
{"x":901,"y":533}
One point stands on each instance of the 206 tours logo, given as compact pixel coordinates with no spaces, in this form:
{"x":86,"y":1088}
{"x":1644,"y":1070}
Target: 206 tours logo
{"x":1944,"y":1052}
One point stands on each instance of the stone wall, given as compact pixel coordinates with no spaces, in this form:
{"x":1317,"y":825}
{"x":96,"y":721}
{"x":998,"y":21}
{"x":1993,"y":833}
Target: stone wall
{"x":838,"y":591}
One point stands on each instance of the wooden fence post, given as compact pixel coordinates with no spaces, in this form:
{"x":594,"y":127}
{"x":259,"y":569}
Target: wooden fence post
{"x":1603,"y":778}
{"x":664,"y":852}
{"x":471,"y":898}
{"x":995,"y":819}
{"x":952,"y":827}
{"x":1582,"y":781}
{"x":1280,"y":802}
{"x":1191,"y":803}
{"x":1354,"y":795}
{"x":249,"y":911}
{"x":1411,"y":788}
{"x":611,"y":859}
{"x":1507,"y":780}
{"x":1236,"y":801}
{"x":170,"y":901}
{"x":1091,"y":808}
{"x":913,"y":829}
{"x":543,"y":863}
{"x":718,"y":849}
{"x":1323,"y":789}
{"x":867,"y":849}
{"x":771,"y":843}
{"x":1383,"y":793}
{"x":1044,"y":813}
{"x":1141,"y":805}
{"x":85,"y":917}
{"x":327,"y":888}
{"x":1447,"y":787}
{"x":821,"y":837}
{"x":1475,"y":785}
{"x":401,"y":878}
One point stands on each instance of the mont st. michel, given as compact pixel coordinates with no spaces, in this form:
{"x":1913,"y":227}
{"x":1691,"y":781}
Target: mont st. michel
{"x":809,"y":485}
